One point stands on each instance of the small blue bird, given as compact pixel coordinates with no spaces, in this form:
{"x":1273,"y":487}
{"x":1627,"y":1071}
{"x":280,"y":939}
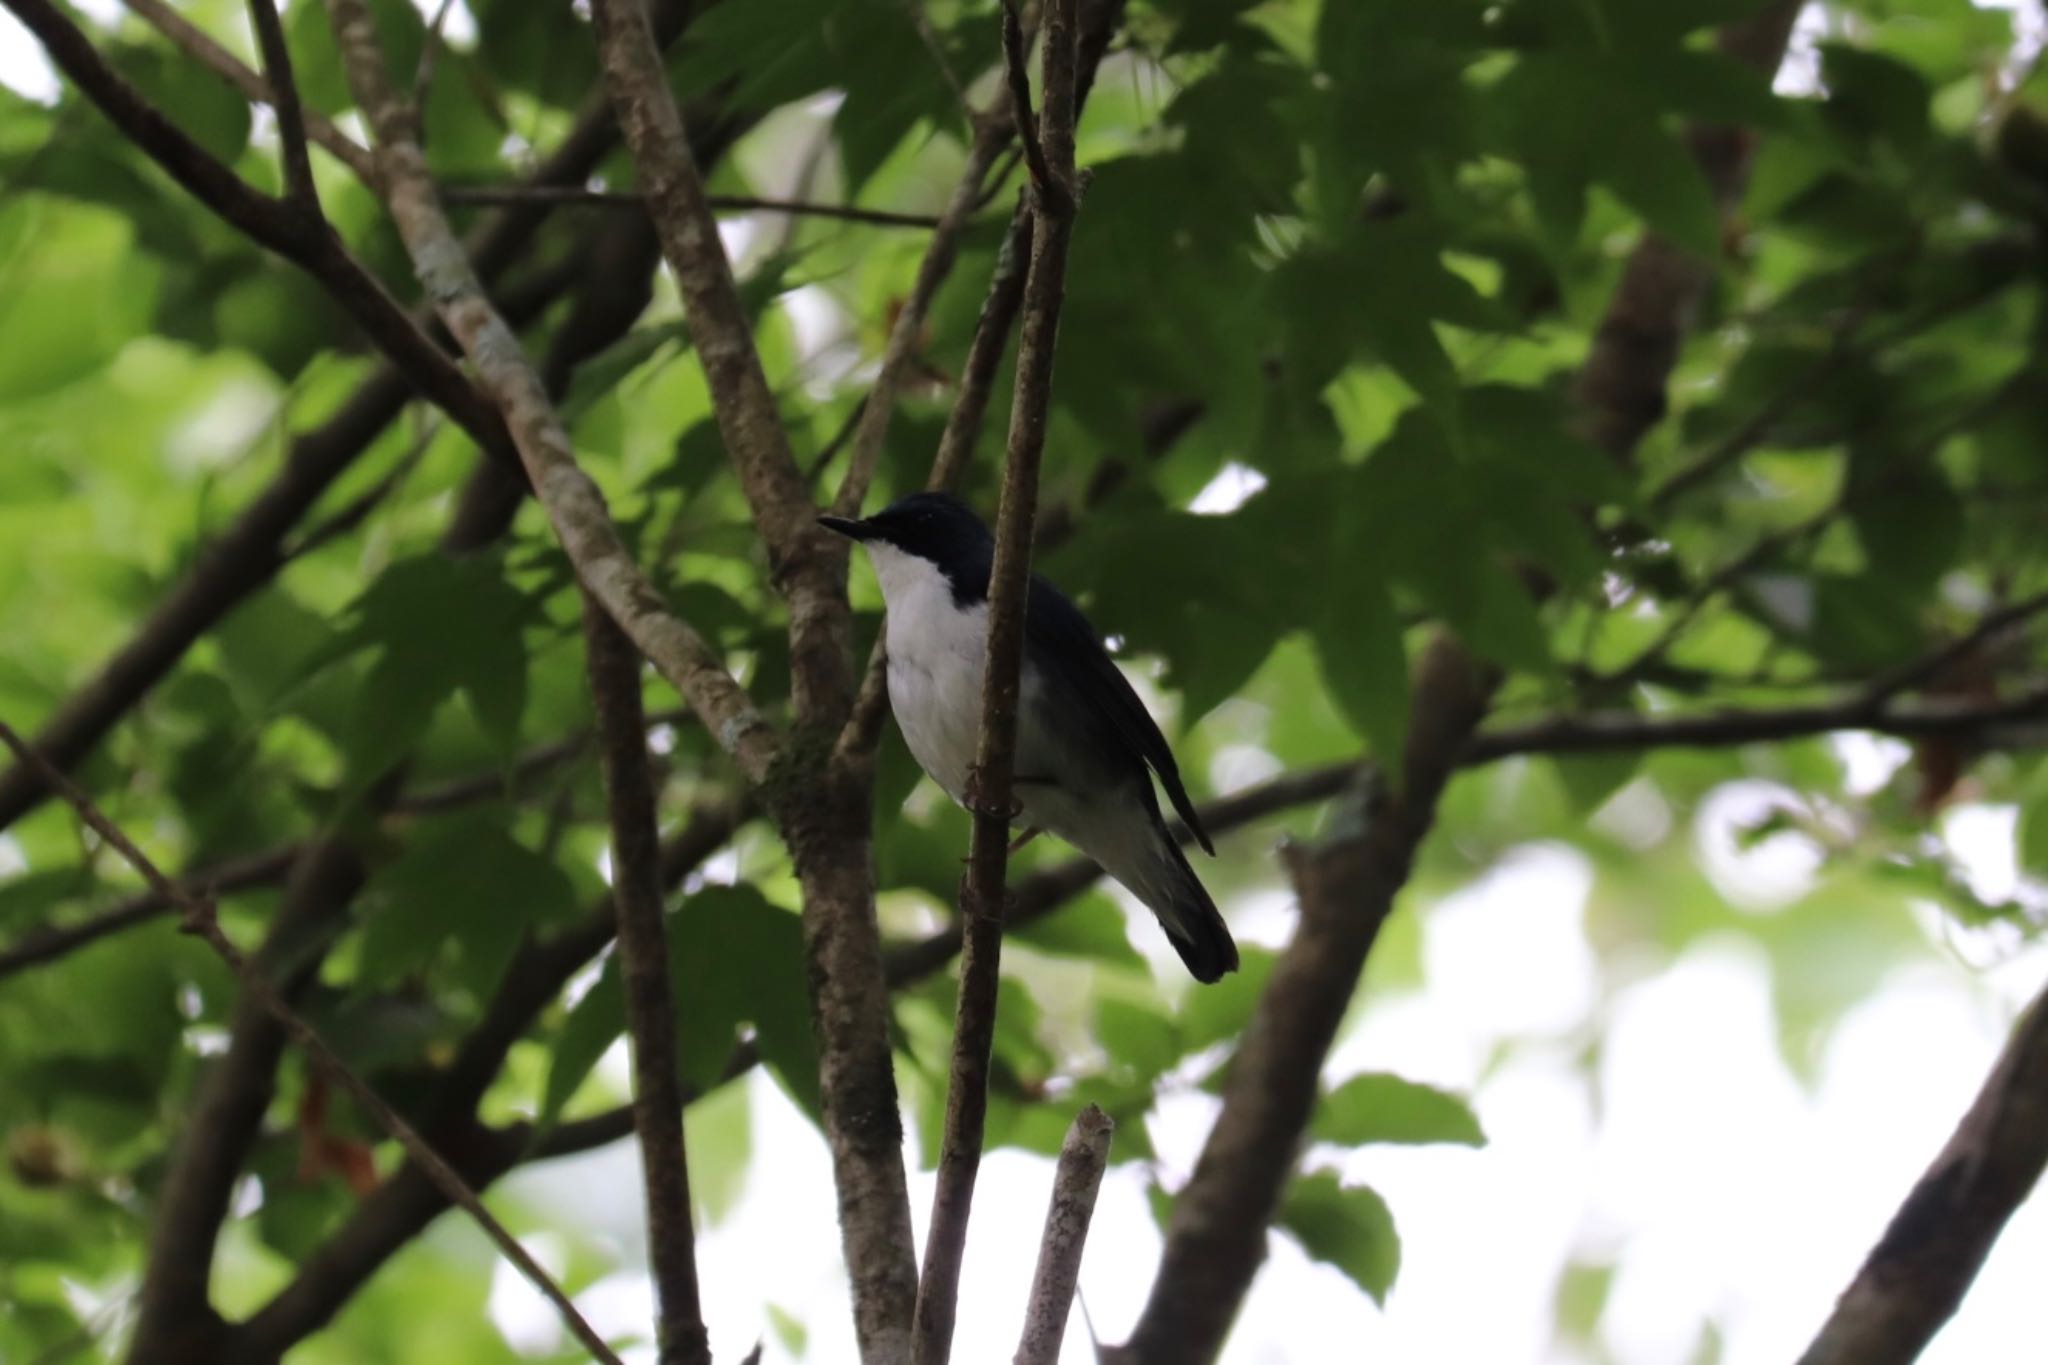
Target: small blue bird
{"x":1086,"y":747}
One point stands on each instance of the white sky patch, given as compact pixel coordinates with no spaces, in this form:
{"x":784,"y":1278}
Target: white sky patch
{"x":1869,"y":762}
{"x":1769,"y":873}
{"x":1232,"y":487}
{"x":1984,"y":842}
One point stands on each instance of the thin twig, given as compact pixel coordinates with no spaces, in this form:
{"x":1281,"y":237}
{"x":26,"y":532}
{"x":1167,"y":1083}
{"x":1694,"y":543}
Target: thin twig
{"x":54,"y":941}
{"x":1909,"y":675}
{"x":658,"y":1100}
{"x":923,"y":24}
{"x":271,"y":223}
{"x":809,"y":563}
{"x":1929,"y":1255}
{"x":199,"y":918}
{"x":981,"y":887}
{"x":430,"y":54}
{"x":1083,"y":1158}
{"x":574,"y":196}
{"x":199,"y":45}
{"x":992,"y":134}
{"x":1016,"y":70}
{"x":291,"y":117}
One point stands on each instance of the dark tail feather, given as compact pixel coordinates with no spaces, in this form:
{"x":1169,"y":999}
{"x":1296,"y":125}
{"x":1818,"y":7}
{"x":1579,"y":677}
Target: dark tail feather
{"x":1193,"y":924}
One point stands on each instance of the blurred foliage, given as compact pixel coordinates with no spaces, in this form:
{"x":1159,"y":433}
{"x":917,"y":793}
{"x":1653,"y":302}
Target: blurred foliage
{"x":1364,"y":243}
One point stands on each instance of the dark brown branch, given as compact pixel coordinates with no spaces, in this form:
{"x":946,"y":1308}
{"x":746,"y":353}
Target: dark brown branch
{"x":1075,"y":1181}
{"x":1932,"y":666}
{"x":825,"y":813}
{"x":572,"y":196}
{"x":198,"y":44}
{"x":1046,"y":890}
{"x":981,"y":888}
{"x":200,"y":919}
{"x":1610,"y":731}
{"x":1924,"y":1264}
{"x":299,"y":188}
{"x":614,"y":669}
{"x":1016,"y":71}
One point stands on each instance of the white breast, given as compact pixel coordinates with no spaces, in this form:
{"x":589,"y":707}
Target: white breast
{"x":936,"y":652}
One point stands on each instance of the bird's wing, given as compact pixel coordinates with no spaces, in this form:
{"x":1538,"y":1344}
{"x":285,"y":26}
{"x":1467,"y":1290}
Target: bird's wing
{"x":1063,"y":635}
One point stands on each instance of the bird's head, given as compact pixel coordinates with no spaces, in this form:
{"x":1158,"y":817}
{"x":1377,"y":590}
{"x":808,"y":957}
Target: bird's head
{"x":924,"y":532}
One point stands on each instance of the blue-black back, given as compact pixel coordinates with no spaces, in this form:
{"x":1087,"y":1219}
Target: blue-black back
{"x":1057,"y":636}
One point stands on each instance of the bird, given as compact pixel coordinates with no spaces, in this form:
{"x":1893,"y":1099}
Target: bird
{"x":1087,"y":749}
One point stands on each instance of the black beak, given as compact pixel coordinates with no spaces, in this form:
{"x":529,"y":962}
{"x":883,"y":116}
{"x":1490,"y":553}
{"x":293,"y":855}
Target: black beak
{"x":852,"y":530}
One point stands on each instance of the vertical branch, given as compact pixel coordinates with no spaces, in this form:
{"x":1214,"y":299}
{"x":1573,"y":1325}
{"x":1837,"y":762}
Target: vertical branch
{"x":1923,"y":1265}
{"x":614,"y":669}
{"x":1083,"y":1156}
{"x":803,"y":562}
{"x":291,"y":116}
{"x":981,"y":894}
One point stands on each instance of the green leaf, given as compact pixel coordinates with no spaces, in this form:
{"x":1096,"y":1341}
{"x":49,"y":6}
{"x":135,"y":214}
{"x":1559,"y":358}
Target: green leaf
{"x":1137,"y":1037}
{"x":735,"y":958}
{"x":2033,"y":823}
{"x":1090,"y":926}
{"x":1377,"y":1107}
{"x":593,"y":1024}
{"x":464,"y":889}
{"x":1347,"y":1227}
{"x":1364,"y":664}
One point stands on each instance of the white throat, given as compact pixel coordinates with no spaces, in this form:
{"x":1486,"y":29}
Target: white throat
{"x":910,"y":585}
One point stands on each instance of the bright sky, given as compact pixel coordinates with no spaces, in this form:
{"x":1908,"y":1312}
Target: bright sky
{"x":1724,"y":1191}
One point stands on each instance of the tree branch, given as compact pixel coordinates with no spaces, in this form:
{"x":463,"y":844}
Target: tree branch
{"x":571,"y":499}
{"x":200,"y":919}
{"x":644,"y":973}
{"x":576,"y":196}
{"x":51,"y":942}
{"x":1016,"y":72}
{"x":803,"y":563}
{"x":1075,"y":1181}
{"x":1924,"y":1264}
{"x":1608,"y":731}
{"x":299,"y":188}
{"x":981,"y":888}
